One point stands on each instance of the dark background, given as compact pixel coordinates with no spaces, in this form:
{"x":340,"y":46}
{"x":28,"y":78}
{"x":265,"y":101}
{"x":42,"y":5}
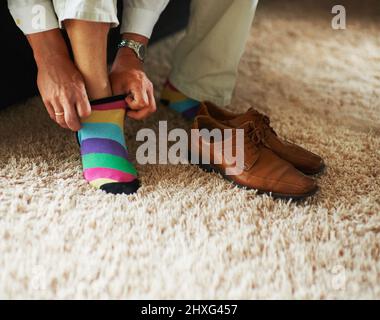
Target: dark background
{"x":17,"y":67}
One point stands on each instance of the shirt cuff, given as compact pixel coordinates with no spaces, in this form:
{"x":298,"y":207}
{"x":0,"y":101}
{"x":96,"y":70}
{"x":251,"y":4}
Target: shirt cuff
{"x":34,"y":18}
{"x":139,"y":21}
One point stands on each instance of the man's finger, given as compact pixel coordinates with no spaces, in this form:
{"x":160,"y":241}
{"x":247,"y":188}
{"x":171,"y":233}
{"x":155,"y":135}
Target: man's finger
{"x":70,"y":115}
{"x":50,"y":110}
{"x":138,"y":99}
{"x":144,"y":113}
{"x":83,"y":107}
{"x":140,"y":114}
{"x":59,"y":114}
{"x":152,"y":101}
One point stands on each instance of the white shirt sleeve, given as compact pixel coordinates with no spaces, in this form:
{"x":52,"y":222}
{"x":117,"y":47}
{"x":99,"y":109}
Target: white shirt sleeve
{"x":140,"y":16}
{"x":33,"y":16}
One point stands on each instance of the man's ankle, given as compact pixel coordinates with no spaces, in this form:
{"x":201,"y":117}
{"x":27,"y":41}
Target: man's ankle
{"x":174,"y":99}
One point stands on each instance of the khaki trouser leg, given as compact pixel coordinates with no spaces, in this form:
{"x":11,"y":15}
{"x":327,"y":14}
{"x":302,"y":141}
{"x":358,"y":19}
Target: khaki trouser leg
{"x":206,"y":60}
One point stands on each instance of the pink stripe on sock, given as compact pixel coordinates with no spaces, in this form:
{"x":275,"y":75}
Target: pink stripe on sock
{"x":121,"y":104}
{"x":106,"y":173}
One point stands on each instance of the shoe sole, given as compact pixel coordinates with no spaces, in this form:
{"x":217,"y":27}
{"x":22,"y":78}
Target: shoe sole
{"x":321,"y":171}
{"x":210,"y":169}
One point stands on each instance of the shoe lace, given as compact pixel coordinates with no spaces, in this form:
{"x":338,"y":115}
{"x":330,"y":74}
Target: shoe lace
{"x":258,"y":128}
{"x":256,"y":132}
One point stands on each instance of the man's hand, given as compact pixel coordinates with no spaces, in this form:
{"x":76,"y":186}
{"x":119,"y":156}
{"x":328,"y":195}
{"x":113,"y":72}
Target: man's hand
{"x":128,"y":77}
{"x":60,"y":83}
{"x":63,"y":92}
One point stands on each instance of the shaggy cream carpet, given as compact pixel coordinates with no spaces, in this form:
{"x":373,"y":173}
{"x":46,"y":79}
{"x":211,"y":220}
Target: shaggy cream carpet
{"x":189,"y":234}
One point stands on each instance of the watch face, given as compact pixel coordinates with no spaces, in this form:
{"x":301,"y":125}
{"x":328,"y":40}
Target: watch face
{"x":142,"y":52}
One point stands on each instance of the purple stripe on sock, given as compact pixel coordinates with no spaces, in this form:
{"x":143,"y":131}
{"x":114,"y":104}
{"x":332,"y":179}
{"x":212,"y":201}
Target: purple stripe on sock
{"x":98,"y":145}
{"x":191,"y":113}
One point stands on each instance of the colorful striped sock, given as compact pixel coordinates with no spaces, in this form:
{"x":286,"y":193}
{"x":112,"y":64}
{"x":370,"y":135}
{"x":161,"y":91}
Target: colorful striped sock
{"x":177,"y":101}
{"x":103,"y":149}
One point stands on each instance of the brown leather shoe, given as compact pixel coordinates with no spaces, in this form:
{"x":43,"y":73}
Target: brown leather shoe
{"x":259,"y":169}
{"x":302,"y":159}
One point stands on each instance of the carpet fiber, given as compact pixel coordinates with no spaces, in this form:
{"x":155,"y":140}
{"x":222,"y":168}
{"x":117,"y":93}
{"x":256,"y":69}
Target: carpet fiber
{"x":189,"y":234}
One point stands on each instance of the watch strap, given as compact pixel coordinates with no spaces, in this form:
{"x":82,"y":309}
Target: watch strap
{"x":134,"y":45}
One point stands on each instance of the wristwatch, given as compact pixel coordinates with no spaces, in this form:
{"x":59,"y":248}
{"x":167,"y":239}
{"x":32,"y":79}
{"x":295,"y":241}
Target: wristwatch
{"x":138,"y":47}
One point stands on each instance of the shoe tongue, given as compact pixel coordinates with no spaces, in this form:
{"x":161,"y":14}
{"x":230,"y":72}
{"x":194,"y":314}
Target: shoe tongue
{"x":243,"y":119}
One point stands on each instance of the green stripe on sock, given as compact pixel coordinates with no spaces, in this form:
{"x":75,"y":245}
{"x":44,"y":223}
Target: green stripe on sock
{"x":103,"y":160}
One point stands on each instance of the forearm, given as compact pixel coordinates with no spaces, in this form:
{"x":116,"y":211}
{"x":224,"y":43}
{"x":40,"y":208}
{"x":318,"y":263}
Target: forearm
{"x":48,"y":46}
{"x":125,"y":55}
